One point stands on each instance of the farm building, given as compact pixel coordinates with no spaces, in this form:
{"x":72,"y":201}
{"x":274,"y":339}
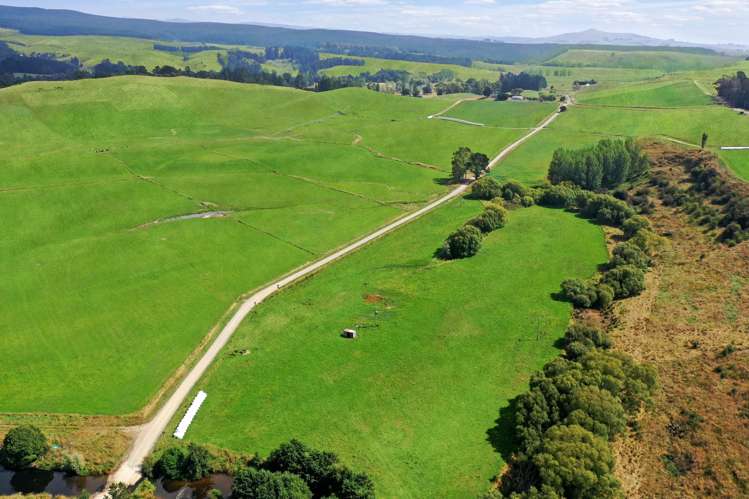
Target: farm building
{"x":349,"y":334}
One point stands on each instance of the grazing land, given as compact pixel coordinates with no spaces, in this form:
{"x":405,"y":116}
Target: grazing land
{"x":668,"y":61}
{"x":503,"y":114}
{"x":373,"y":65}
{"x":674,"y":109}
{"x":91,"y":50}
{"x":138,"y":210}
{"x":442,"y":346}
{"x":661,"y":94}
{"x":94,"y":172}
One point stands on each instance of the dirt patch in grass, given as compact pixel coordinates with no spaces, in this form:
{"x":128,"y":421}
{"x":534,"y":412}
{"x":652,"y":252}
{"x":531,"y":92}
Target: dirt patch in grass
{"x":692,"y":324}
{"x":373,"y":298}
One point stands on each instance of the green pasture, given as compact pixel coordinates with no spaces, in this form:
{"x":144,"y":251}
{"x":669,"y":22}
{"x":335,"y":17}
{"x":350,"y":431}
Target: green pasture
{"x":666,"y":61}
{"x":563,"y":78}
{"x":443,"y":346}
{"x":506,"y":114}
{"x":103,"y":304}
{"x":662,"y":94}
{"x":586,"y":124}
{"x":529,"y":163}
{"x":373,"y":65}
{"x":91,"y":50}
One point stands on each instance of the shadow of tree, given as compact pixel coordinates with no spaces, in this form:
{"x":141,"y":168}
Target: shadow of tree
{"x":502,"y":435}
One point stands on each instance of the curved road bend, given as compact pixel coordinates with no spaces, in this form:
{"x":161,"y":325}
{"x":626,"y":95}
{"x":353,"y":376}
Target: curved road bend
{"x":129,"y":471}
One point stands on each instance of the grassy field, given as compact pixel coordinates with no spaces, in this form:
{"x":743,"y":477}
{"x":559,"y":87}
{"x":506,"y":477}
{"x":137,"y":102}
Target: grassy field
{"x":373,"y":65}
{"x":659,"y":60}
{"x":666,"y":110}
{"x":561,"y":78}
{"x":529,"y":163}
{"x":503,"y":114}
{"x":91,"y":50}
{"x":662,"y":94}
{"x":443,"y":346}
{"x":86,"y":167}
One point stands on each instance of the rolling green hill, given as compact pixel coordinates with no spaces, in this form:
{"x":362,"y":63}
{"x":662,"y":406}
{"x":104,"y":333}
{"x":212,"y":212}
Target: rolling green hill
{"x":663,"y":60}
{"x":91,"y":50}
{"x":101,"y":276}
{"x":661,"y":94}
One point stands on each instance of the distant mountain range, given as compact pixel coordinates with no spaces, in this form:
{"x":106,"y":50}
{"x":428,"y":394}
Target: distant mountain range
{"x":598,"y":37}
{"x":37,"y":21}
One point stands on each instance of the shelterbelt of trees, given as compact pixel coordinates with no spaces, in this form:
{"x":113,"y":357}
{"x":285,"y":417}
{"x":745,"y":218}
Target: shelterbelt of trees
{"x":734,"y":90}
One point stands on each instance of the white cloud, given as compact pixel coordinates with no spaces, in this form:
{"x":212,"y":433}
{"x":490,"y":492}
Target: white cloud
{"x":216,"y":9}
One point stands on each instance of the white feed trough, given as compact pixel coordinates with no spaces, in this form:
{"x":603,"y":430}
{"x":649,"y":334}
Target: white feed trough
{"x":736,"y":148}
{"x":190,"y":415}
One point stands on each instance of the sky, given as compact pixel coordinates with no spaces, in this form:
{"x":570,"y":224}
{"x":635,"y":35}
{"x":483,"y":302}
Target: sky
{"x":701,"y":21}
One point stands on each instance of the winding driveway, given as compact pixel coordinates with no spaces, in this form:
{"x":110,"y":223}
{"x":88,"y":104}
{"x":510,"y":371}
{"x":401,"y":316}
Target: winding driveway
{"x":149,"y":433}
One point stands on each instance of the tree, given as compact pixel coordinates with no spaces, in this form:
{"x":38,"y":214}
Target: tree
{"x":598,"y":411}
{"x":144,"y":490}
{"x":22,"y":446}
{"x":197,"y":463}
{"x":577,"y":464}
{"x":587,"y":294}
{"x":353,"y":485}
{"x":463,"y":243}
{"x":579,"y":292}
{"x":493,"y":218}
{"x":629,"y":254}
{"x":633,"y":224}
{"x":607,"y":164}
{"x":170,"y":464}
{"x":313,"y":466}
{"x":119,"y":491}
{"x":486,"y":188}
{"x":460,"y":163}
{"x":579,"y":339}
{"x":626,"y":281}
{"x":250,"y":483}
{"x":703,"y":143}
{"x":478,"y":163}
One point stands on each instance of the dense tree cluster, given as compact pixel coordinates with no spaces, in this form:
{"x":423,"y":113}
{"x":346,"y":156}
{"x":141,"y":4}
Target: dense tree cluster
{"x":41,"y":64}
{"x":464,"y":161}
{"x":295,"y":470}
{"x":511,"y":192}
{"x":22,"y":446}
{"x":734,"y":89}
{"x":493,"y":217}
{"x":603,"y":208}
{"x":571,"y":412}
{"x":292,"y":471}
{"x":192,"y":462}
{"x":252,"y":483}
{"x":525,"y":81}
{"x":605,"y":165}
{"x":463,"y":243}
